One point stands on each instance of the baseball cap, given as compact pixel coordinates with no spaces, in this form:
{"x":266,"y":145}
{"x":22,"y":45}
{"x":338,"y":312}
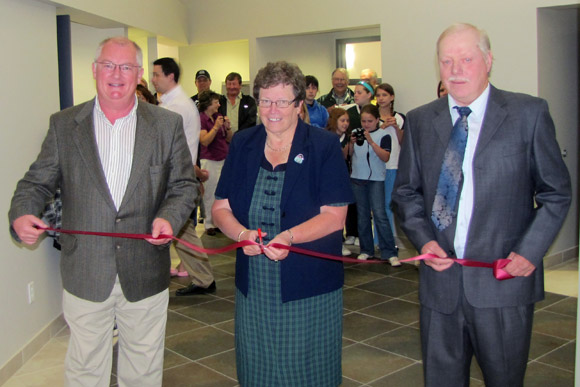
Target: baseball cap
{"x":202,"y":73}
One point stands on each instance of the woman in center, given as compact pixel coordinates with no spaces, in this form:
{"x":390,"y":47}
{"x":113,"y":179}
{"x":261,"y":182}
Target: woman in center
{"x":288,"y":179}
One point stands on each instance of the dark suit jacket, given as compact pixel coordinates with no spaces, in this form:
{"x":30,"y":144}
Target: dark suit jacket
{"x":161,"y":184}
{"x":321,"y":178}
{"x":247,"y":111}
{"x":517,"y":164}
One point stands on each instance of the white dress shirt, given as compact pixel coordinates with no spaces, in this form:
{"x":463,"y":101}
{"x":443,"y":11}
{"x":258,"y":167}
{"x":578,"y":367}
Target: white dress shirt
{"x":115,"y":143}
{"x":177,"y":101}
{"x":466,"y":199}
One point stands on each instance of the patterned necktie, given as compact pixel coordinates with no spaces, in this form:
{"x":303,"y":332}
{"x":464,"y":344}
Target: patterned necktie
{"x":451,"y":173}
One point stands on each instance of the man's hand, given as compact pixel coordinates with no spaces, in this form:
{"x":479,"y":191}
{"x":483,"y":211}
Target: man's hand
{"x":519,"y":266}
{"x":24,"y":227}
{"x":437,"y":264}
{"x":160,"y":226}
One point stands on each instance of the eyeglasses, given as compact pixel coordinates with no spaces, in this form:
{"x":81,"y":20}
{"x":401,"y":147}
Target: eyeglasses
{"x":281,"y":103}
{"x":125,"y":68}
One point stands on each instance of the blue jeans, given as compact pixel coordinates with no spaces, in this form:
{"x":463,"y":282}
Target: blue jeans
{"x":389,"y":184}
{"x":370,"y":196}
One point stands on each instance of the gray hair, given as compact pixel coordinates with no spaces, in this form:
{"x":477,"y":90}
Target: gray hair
{"x":483,"y":41}
{"x":281,"y":73}
{"x":341,"y":70}
{"x":121,"y":41}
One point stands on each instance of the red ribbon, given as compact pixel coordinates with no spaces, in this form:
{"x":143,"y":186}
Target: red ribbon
{"x":498,"y":272}
{"x":497,"y":265}
{"x":224,"y":249}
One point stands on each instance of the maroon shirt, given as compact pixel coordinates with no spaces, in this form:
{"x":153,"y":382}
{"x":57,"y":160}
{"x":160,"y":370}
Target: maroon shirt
{"x":218,"y":149}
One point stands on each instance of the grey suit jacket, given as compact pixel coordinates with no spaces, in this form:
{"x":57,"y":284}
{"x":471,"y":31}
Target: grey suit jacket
{"x":161,"y":184}
{"x":522,"y":193}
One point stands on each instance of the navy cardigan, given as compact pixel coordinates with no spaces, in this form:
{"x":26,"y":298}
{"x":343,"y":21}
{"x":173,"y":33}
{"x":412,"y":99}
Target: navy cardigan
{"x":316,"y":175}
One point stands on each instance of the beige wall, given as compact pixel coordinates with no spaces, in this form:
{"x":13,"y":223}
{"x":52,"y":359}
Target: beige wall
{"x":84,"y":42}
{"x":218,"y":59}
{"x":30,"y":95}
{"x":168,"y":18}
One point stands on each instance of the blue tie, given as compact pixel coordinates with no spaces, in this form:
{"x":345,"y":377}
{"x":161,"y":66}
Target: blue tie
{"x":451,"y":173}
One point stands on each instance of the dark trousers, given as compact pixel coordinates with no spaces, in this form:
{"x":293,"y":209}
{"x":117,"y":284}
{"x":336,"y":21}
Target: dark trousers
{"x":499,"y":338}
{"x":351,"y":225}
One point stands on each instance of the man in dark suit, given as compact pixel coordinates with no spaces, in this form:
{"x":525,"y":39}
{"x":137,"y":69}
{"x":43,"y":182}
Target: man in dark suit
{"x":513,"y":195}
{"x":122,"y":166}
{"x":240,"y":108}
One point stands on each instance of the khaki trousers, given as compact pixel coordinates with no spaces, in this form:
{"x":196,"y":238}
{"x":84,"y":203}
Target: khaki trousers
{"x":141,"y":342}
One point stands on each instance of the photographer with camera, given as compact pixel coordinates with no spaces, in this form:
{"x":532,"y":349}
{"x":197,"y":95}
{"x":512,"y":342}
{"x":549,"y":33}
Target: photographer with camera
{"x":370,"y":148}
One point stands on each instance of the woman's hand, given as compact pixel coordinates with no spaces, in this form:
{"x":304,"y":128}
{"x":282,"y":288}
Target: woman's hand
{"x":276,"y":254}
{"x":251,"y":235}
{"x":219,"y":123}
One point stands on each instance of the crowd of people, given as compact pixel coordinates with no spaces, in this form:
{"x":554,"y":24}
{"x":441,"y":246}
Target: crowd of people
{"x":284,"y":168}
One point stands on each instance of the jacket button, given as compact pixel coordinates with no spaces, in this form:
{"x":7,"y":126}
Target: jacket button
{"x":118,"y":220}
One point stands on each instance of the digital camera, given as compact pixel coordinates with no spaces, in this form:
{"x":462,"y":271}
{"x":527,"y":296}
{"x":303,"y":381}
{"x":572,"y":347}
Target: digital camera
{"x":359,"y":134}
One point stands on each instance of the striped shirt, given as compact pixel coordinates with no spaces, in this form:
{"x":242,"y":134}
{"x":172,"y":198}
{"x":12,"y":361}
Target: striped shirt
{"x":115,"y":143}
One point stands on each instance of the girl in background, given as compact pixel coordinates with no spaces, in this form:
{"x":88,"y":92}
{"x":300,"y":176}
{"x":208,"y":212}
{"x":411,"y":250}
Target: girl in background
{"x":370,"y":148}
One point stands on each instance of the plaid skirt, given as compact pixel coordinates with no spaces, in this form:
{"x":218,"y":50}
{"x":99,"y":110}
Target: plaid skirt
{"x":297,"y":343}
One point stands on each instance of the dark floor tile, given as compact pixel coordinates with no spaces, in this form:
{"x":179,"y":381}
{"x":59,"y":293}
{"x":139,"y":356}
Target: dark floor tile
{"x":200,"y":343}
{"x":399,"y":311}
{"x":549,"y":299}
{"x":355,"y":299}
{"x":228,"y":326}
{"x":381,"y":268}
{"x":410,"y":275}
{"x":391,"y":286}
{"x":555,"y":324}
{"x":172,"y":359}
{"x":224,"y":363}
{"x":568,"y":306}
{"x":563,"y":357}
{"x":364,"y":364}
{"x":541,"y":375}
{"x":177,"y":303}
{"x":403,"y":341}
{"x":354,"y":277}
{"x":409,"y":376}
{"x":225,"y":288}
{"x":346,"y":382}
{"x":195,"y":375}
{"x":542,"y":344}
{"x":475,"y":372}
{"x":177,"y":323}
{"x":411,"y":297}
{"x":212,"y":312}
{"x":227,"y":269}
{"x":359,"y":327}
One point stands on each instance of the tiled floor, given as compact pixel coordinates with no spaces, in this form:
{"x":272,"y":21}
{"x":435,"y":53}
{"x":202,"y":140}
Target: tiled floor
{"x":380,"y":338}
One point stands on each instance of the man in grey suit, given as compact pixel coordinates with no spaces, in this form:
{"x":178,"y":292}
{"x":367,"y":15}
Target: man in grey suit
{"x":124,"y":167}
{"x":514,"y":192}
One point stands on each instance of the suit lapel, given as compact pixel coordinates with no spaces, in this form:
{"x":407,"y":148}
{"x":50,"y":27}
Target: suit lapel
{"x":254,"y":151}
{"x":495,"y":114}
{"x":84,"y":139}
{"x":144,"y":143}
{"x":442,"y":122}
{"x":298,"y":159}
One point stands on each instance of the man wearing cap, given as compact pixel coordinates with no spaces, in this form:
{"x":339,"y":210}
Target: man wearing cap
{"x":203,"y":83}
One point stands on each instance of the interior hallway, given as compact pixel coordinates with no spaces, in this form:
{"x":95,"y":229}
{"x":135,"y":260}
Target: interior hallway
{"x":380,"y":339}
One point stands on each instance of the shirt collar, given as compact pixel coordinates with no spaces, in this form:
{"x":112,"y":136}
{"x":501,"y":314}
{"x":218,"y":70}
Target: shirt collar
{"x":477,"y":107}
{"x":99,"y":111}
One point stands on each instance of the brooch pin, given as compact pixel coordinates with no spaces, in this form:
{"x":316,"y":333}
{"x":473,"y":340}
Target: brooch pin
{"x":299,"y":158}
